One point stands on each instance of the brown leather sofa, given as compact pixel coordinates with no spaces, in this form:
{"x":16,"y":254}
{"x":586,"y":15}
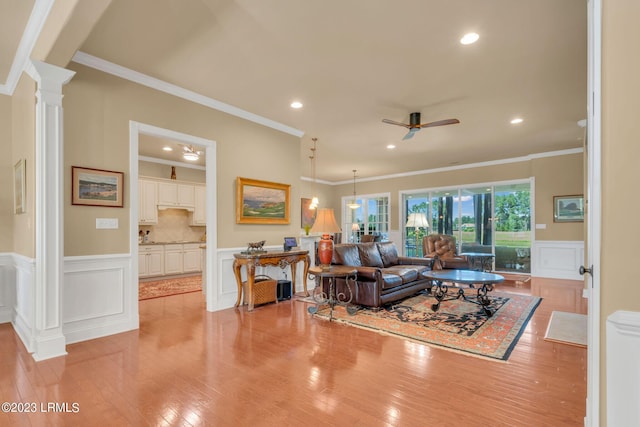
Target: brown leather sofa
{"x":382,"y":275}
{"x":443,"y":250}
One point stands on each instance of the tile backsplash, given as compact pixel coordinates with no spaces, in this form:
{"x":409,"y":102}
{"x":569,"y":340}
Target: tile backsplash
{"x":173,"y":225}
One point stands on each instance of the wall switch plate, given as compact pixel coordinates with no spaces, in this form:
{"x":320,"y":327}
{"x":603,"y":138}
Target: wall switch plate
{"x":106,"y":223}
{"x":541,"y":226}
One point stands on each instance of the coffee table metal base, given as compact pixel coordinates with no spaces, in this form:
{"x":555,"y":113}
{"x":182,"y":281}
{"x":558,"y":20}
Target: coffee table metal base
{"x":440,"y":289}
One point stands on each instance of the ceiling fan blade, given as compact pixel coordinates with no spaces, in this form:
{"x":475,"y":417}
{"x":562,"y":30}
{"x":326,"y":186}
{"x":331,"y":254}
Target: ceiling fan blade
{"x":391,"y":122}
{"x":440,"y":123}
{"x":409,"y":135}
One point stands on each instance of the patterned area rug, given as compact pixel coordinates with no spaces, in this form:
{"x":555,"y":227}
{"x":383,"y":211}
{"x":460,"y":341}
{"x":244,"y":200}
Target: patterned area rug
{"x":458,"y":325}
{"x":167,"y":287}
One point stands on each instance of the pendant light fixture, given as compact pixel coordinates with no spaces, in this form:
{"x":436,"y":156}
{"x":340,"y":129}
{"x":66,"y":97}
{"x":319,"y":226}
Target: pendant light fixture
{"x":354,"y":203}
{"x":314,"y":200}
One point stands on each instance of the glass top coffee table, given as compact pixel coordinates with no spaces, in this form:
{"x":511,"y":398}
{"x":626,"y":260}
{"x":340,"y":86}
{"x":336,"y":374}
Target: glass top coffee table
{"x":440,"y":290}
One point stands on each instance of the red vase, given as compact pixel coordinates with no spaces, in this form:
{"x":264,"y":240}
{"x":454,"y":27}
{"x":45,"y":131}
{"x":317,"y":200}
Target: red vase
{"x":325,"y":250}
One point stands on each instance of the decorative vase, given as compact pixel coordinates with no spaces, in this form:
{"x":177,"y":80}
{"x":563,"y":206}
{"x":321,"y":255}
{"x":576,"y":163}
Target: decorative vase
{"x":173,"y":172}
{"x":325,"y":251}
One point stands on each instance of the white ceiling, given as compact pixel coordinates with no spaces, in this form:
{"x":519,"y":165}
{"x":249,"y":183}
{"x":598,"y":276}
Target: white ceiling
{"x":353,"y":63}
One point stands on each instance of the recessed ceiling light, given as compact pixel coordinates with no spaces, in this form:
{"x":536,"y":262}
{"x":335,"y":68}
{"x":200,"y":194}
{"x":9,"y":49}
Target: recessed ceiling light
{"x":390,"y":147}
{"x":469,"y":38}
{"x":516,"y":121}
{"x":296,"y":104}
{"x":167,"y":148}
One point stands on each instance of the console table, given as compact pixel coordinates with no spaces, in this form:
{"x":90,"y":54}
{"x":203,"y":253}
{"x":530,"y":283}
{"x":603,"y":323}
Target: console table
{"x":280,"y":258}
{"x":465,"y":277}
{"x":333,"y":298}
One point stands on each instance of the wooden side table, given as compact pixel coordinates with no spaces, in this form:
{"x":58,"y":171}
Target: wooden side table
{"x":279,"y":258}
{"x":333,"y":298}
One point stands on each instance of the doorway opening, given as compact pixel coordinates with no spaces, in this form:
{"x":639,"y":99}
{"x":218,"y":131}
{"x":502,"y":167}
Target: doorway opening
{"x":204,"y":231}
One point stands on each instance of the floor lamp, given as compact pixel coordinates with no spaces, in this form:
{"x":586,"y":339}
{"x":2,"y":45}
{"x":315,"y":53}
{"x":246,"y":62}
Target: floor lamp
{"x":417,"y":220}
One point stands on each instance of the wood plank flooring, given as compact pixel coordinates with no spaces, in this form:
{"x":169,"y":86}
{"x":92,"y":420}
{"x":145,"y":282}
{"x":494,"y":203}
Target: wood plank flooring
{"x":277,"y":366}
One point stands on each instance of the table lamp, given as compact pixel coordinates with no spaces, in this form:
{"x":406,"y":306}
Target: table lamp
{"x":325,"y":223}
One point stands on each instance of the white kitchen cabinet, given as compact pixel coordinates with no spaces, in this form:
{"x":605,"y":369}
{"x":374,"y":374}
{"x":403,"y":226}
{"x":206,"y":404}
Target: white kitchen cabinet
{"x":148,"y":201}
{"x":200,"y":206}
{"x":150,"y":260}
{"x":173,"y":259}
{"x":191,"y":261}
{"x":172,"y":194}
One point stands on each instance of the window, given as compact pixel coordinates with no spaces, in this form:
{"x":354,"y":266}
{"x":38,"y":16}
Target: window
{"x":372,"y":217}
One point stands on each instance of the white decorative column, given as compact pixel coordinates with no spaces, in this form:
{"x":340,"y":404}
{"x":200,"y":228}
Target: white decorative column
{"x":48,"y":338}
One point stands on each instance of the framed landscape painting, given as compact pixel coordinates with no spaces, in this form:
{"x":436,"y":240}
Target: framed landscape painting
{"x":97,"y":187}
{"x":262,"y":202}
{"x":568,"y":208}
{"x":308,"y":215}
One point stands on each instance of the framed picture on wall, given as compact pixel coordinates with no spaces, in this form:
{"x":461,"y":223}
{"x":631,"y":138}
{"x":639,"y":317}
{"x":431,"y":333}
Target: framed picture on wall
{"x":19,"y":187}
{"x":262,"y":202}
{"x":307,"y":215}
{"x":568,"y":208}
{"x":97,"y":187}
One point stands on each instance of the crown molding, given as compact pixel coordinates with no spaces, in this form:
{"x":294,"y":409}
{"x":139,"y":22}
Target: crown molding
{"x":171,"y":89}
{"x":459,"y":167}
{"x":37,"y":19}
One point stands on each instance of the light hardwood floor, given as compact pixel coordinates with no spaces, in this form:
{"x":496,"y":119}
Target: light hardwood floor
{"x":277,"y":366}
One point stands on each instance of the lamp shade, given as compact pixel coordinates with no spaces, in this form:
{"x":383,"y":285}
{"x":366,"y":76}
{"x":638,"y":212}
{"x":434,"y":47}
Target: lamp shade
{"x":325,"y":222}
{"x":355,"y":227}
{"x":417,"y":220}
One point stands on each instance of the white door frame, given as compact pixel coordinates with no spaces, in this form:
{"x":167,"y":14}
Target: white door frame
{"x":593,"y":153}
{"x":211,"y":259}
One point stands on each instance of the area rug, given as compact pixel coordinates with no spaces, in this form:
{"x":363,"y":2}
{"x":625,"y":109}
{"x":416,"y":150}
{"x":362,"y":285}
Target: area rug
{"x":567,"y":328}
{"x":457,"y":326}
{"x":167,"y":287}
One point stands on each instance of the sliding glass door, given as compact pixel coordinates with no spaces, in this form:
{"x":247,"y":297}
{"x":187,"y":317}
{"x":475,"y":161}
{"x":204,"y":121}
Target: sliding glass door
{"x":487,"y":218}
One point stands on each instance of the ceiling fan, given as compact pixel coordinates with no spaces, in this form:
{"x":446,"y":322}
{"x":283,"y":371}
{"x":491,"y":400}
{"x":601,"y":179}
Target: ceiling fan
{"x":190,"y":153}
{"x":415,"y":125}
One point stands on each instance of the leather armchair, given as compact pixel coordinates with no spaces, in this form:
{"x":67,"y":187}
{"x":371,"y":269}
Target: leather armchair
{"x":442,"y":247}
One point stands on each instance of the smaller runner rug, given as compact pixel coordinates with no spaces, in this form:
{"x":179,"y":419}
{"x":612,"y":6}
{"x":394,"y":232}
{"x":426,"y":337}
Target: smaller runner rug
{"x":167,"y":287}
{"x":457,"y":326}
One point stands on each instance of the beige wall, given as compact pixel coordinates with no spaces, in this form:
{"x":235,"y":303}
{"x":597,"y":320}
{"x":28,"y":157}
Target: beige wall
{"x":158,"y":170}
{"x":620,"y":171}
{"x":6,"y":176}
{"x":98,"y":108}
{"x":560,"y":175}
{"x":23,"y":147}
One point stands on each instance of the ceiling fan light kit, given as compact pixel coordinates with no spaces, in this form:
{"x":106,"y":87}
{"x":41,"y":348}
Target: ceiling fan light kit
{"x":190,"y":153}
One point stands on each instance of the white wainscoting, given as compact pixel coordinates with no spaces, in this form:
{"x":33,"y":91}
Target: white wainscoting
{"x":557,"y":259}
{"x":24,"y":309}
{"x":7,"y":287}
{"x":98,"y":297}
{"x":623,"y":369}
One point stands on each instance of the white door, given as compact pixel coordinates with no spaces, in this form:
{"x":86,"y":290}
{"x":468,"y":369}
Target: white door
{"x":593,"y":212}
